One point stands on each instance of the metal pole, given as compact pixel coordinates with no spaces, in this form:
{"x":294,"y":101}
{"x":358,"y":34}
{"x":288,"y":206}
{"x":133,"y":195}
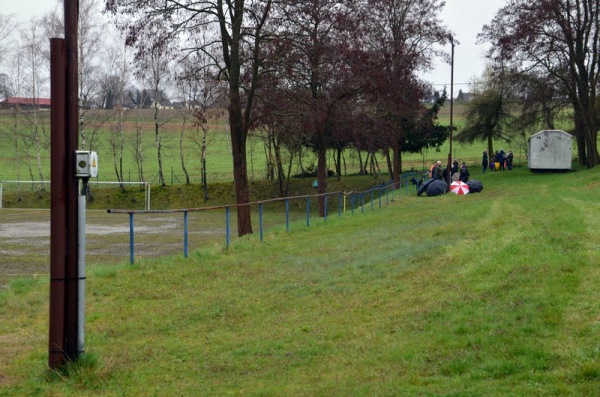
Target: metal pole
{"x":362,"y":202}
{"x":451,"y":108}
{"x":227,"y":231}
{"x":185,"y":234}
{"x":58,"y":208}
{"x":81,"y":269}
{"x":131,"y":239}
{"x":260,"y":221}
{"x":287,"y":215}
{"x":72,"y":143}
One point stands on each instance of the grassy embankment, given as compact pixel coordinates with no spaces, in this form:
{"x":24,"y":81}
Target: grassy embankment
{"x":491,"y":294}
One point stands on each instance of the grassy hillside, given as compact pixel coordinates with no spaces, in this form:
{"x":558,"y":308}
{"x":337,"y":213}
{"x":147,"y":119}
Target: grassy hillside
{"x":490,"y":294}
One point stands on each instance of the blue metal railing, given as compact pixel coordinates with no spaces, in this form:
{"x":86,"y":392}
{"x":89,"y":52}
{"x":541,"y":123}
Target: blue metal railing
{"x":406,"y":181}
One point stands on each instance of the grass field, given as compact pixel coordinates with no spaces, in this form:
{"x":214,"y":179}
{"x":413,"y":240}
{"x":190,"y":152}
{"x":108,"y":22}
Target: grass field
{"x":219,"y":163}
{"x":490,"y":294}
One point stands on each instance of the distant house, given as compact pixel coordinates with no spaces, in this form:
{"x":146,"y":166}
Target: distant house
{"x":463,"y":96}
{"x":550,"y":150}
{"x":25,"y":103}
{"x":162,"y":105}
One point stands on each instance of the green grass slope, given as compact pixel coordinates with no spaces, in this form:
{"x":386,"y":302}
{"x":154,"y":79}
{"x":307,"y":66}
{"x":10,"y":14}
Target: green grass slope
{"x":490,"y":294}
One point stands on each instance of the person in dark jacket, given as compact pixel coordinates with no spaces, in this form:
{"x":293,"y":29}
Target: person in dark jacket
{"x":501,"y":159}
{"x":437,"y":171}
{"x":509,"y":160}
{"x":454,"y":168}
{"x":484,"y":161}
{"x":464,"y":173}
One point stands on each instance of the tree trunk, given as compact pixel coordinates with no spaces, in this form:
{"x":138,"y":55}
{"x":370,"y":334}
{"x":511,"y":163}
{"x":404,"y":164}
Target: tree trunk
{"x":322,"y":170}
{"x":161,"y":178}
{"x":338,"y":164}
{"x":397,"y":161}
{"x":287,"y":183}
{"x":360,"y":163}
{"x":139,"y":153}
{"x":278,"y":164}
{"x":389,"y":164}
{"x":203,"y":163}
{"x":580,"y":135}
{"x":181,"y":156}
{"x":240,"y":169}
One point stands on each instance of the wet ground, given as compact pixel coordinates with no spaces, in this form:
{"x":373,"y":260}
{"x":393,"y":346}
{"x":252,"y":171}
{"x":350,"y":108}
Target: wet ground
{"x":25,"y":238}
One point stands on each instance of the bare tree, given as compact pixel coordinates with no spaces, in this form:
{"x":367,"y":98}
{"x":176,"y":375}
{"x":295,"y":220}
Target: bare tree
{"x":154,"y":70}
{"x":35,"y":71}
{"x":7,"y":26}
{"x":236,"y":33}
{"x":202,"y":96}
{"x":92,"y":51}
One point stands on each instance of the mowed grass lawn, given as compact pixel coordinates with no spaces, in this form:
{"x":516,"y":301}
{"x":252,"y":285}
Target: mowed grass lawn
{"x":490,"y":294}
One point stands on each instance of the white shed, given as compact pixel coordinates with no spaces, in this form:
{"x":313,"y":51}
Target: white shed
{"x":550,"y":150}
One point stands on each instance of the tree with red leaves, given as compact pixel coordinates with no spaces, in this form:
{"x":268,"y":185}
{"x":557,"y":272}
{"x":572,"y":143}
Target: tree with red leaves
{"x":312,"y":57}
{"x":559,"y":41}
{"x":398,"y":39}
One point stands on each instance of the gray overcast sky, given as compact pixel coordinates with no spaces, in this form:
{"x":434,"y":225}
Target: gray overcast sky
{"x":464,"y":17}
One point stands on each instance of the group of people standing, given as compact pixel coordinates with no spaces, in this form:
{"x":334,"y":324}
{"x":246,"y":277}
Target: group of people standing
{"x":436,"y":172}
{"x":500,"y":161}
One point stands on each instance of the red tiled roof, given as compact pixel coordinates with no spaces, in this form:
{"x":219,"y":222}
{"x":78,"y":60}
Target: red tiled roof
{"x":26,"y":101}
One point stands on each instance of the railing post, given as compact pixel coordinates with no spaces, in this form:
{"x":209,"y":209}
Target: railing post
{"x":260,"y":220}
{"x":325,"y":211}
{"x":372,"y":199}
{"x":185,"y":234}
{"x":340,"y":198}
{"x":227,"y":231}
{"x":308,"y":211}
{"x":287,"y":215}
{"x":362,"y":202}
{"x":131,"y":239}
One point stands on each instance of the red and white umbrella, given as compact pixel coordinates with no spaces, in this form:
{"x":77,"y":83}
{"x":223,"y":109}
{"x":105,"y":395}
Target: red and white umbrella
{"x":458,"y":187}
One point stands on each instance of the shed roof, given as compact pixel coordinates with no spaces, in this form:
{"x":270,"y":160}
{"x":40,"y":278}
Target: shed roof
{"x":551,"y":132}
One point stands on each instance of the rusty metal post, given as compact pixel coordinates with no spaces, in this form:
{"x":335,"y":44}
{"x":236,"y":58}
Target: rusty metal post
{"x":72,"y":143}
{"x":58,"y":203}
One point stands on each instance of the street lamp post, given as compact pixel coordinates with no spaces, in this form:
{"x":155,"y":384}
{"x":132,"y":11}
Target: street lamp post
{"x":451,"y":108}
